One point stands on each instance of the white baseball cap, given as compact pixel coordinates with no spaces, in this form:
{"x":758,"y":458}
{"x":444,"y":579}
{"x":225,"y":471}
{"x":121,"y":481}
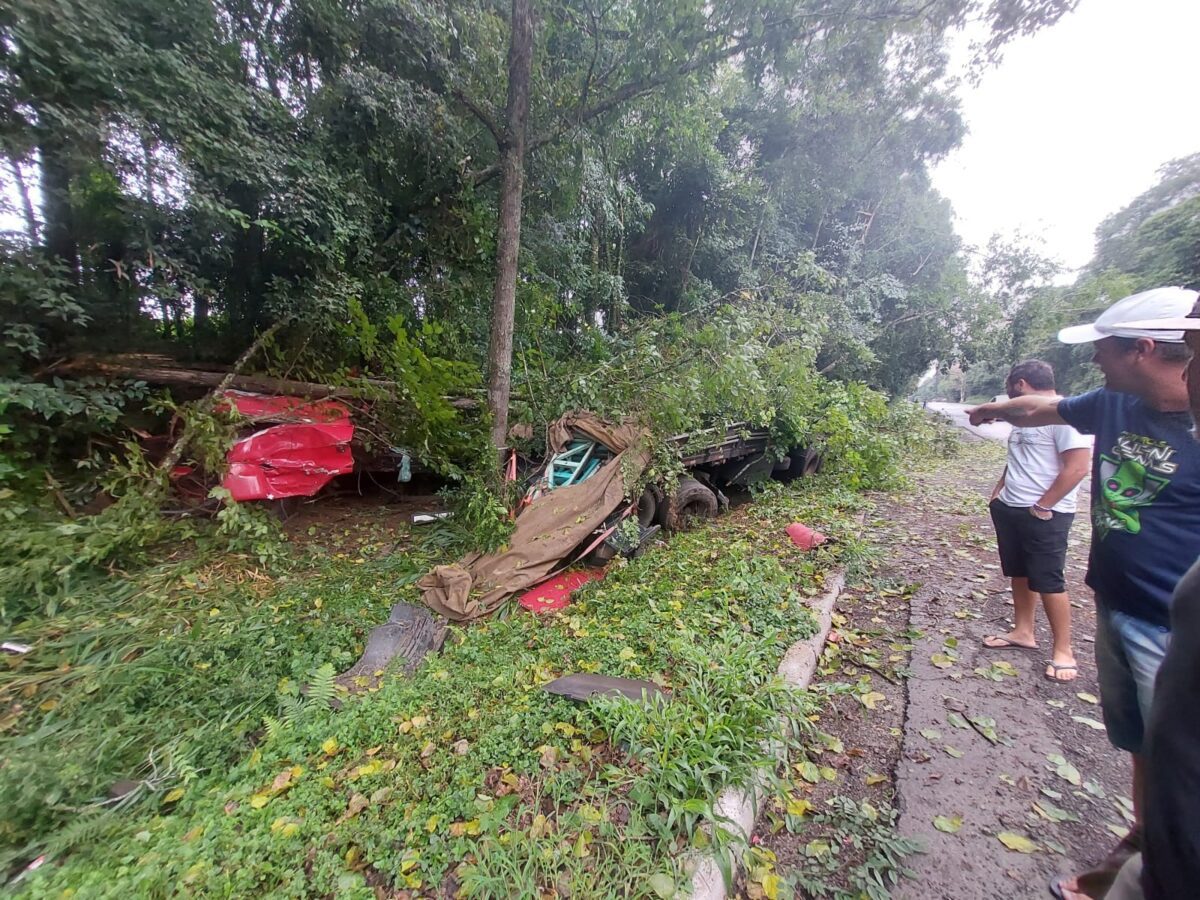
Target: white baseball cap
{"x":1139,"y":315}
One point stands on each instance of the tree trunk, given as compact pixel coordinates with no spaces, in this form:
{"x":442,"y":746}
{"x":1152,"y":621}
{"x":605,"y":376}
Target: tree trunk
{"x":57,"y":216}
{"x":508,"y":232}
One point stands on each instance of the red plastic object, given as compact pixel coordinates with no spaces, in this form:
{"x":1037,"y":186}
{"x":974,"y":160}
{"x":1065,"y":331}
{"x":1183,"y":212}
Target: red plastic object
{"x":555,"y":593}
{"x":295,"y":459}
{"x":804,"y":537}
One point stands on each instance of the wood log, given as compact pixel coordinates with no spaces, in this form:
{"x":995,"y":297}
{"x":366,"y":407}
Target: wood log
{"x":165,"y":374}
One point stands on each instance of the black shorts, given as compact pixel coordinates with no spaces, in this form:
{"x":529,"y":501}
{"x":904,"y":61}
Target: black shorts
{"x":1031,"y":547}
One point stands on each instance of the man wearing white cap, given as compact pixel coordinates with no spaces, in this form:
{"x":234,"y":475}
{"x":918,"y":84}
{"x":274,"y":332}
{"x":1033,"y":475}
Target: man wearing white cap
{"x":1171,"y":839}
{"x":1145,"y":509}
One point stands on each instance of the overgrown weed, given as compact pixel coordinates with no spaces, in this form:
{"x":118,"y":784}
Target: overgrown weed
{"x":410,"y":785}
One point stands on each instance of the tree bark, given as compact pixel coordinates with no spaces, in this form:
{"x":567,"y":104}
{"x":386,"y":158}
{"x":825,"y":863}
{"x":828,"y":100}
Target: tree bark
{"x":508,"y":233}
{"x":57,"y":216}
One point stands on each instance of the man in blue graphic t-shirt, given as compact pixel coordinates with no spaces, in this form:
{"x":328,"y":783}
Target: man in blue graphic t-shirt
{"x":1145,"y":510}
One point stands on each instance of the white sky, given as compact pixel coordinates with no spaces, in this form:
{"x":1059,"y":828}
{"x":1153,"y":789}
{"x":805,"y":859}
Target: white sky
{"x":1075,"y":122}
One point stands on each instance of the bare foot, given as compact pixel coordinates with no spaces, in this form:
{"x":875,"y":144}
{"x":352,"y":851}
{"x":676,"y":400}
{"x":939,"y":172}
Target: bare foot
{"x":1068,"y":890}
{"x":1011,"y":640}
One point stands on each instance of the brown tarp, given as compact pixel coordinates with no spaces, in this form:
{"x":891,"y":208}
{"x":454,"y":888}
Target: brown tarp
{"x":548,"y":529}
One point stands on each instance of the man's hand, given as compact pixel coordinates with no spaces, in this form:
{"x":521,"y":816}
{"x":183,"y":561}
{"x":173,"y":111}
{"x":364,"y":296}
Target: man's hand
{"x":1028,"y":411}
{"x":1042,"y":513}
{"x":983,"y":414}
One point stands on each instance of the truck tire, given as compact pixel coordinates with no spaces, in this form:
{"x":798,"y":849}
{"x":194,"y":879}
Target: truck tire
{"x":804,"y":461}
{"x":692,"y":500}
{"x":648,"y":506}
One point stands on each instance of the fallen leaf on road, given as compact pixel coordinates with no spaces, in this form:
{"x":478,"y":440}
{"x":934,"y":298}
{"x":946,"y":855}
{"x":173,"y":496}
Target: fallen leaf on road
{"x":930,"y":734}
{"x":1052,"y":813}
{"x":1088,"y":698}
{"x":1016,"y":842}
{"x":948,"y":824}
{"x":1090,"y":723}
{"x":941,"y":660}
{"x":957,"y":754}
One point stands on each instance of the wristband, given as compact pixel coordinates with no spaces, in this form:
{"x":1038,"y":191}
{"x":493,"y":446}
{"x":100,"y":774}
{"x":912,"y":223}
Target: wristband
{"x":1041,"y":508}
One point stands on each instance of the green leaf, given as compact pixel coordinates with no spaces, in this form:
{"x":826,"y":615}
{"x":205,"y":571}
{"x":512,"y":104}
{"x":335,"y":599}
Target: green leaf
{"x":663,"y":885}
{"x":948,"y":824}
{"x":1052,"y":813}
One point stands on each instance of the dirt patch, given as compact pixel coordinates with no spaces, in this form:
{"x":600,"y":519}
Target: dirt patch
{"x":357,"y":517}
{"x":1001,"y":775}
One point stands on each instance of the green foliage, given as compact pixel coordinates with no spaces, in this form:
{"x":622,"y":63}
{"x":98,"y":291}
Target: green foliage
{"x":481,"y":520}
{"x":862,"y":829}
{"x":413,"y":408}
{"x":456,"y":761}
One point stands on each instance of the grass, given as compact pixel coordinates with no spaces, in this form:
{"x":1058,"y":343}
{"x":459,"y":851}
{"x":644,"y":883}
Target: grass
{"x":465,"y":778}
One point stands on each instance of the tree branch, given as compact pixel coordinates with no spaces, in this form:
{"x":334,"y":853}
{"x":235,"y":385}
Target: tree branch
{"x":482,"y":115}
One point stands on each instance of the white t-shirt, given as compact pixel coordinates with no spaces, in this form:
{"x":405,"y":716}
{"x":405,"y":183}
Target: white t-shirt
{"x":1034,"y":463}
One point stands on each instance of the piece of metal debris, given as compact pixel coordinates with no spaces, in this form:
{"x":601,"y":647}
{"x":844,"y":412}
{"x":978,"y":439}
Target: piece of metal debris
{"x":583,"y":686}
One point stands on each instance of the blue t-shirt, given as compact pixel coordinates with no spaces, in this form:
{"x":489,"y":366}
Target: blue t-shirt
{"x":1145,"y":500}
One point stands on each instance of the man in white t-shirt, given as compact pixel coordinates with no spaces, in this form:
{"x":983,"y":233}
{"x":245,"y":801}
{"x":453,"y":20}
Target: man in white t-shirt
{"x":1032,"y":507}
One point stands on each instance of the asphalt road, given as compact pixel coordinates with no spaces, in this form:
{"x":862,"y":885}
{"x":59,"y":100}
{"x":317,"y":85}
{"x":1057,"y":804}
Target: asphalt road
{"x":957,"y":413}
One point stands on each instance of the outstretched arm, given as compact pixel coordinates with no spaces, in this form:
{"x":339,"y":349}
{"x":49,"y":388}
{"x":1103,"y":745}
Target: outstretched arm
{"x":1029,"y":411}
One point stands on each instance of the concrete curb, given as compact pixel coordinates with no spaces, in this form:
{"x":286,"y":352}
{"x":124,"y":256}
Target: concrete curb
{"x":740,"y":805}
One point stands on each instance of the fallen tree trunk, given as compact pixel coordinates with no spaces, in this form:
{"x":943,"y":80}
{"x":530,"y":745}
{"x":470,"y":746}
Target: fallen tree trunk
{"x":202,"y":378}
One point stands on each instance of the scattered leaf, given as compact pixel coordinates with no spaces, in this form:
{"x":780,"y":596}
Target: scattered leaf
{"x":808,"y":771}
{"x":1052,"y":813}
{"x":1094,"y":789}
{"x":948,"y":824}
{"x":1017,"y":842}
{"x":1088,"y":698}
{"x":951,"y":751}
{"x":663,"y":885}
{"x":1090,"y":723}
{"x":931,"y":734}
{"x":870,"y":699}
{"x":797,"y":806}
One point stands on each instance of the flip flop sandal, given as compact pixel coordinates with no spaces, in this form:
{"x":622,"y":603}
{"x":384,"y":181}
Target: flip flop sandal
{"x":1060,"y":667}
{"x":1006,"y":645}
{"x":1056,"y":890}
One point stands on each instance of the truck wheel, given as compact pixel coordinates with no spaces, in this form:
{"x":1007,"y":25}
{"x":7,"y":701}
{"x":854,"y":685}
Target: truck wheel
{"x":648,"y":506}
{"x":692,"y":500}
{"x":804,"y":461}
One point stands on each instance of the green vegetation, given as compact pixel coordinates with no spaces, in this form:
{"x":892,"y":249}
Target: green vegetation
{"x":1152,"y":242}
{"x":711,"y":214}
{"x":189,"y":685}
